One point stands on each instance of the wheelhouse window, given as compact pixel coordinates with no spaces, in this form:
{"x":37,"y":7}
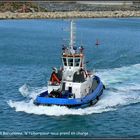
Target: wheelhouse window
{"x":70,"y":61}
{"x":65,"y":61}
{"x":77,"y":62}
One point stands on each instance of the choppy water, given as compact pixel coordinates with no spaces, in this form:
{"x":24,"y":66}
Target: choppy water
{"x":28,"y":50}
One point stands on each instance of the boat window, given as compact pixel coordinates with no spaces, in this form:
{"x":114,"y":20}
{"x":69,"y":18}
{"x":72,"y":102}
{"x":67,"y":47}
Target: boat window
{"x":65,"y":61}
{"x":70,"y":61}
{"x":77,"y":61}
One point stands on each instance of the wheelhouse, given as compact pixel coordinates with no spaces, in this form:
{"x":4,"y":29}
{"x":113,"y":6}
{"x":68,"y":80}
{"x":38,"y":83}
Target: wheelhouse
{"x":72,"y":60}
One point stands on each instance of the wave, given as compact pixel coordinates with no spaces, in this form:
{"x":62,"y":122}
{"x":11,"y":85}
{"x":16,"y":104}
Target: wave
{"x":109,"y":102}
{"x":31,"y":92}
{"x":125,"y":75}
{"x":122,"y":88}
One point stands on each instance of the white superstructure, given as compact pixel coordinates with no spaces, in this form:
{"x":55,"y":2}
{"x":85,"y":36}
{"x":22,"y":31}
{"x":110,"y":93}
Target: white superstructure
{"x":73,"y":77}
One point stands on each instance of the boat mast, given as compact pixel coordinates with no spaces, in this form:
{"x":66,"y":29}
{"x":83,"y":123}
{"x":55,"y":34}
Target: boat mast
{"x":72,"y":37}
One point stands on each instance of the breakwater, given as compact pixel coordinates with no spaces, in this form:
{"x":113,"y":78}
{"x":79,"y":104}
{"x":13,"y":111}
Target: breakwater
{"x":71,"y":14}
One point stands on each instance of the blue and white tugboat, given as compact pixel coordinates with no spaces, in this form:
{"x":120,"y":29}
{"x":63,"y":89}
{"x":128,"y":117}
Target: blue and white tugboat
{"x":72,"y":85}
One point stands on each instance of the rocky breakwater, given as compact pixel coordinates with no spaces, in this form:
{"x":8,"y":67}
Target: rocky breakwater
{"x":71,"y":14}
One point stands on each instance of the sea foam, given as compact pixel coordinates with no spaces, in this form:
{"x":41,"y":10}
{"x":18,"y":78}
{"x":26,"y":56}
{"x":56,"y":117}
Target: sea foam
{"x":122,"y":88}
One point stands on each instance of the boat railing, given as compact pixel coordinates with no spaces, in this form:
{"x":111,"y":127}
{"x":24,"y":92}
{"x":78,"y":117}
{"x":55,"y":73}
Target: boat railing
{"x":53,"y":84}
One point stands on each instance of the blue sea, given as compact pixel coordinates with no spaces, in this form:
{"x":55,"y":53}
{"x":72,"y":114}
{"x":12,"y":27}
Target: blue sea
{"x":28,"y":51}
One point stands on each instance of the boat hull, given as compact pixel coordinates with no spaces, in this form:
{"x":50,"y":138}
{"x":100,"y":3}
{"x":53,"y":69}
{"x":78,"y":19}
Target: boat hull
{"x":88,"y":100}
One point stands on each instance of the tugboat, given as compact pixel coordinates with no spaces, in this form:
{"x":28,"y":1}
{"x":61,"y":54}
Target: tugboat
{"x":73,"y":85}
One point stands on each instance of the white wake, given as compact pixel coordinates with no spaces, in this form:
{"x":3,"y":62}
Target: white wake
{"x":122,"y":88}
